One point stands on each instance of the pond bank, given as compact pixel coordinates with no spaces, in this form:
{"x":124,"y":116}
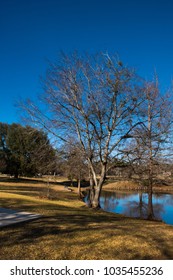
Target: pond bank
{"x":129,"y":185}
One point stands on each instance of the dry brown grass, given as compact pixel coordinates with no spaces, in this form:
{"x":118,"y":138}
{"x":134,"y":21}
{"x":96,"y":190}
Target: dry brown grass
{"x":123,"y":184}
{"x":133,"y":185}
{"x":69,"y":230}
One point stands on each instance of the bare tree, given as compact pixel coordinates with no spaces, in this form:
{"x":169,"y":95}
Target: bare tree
{"x":151,"y":139}
{"x":93,"y":99}
{"x":73,"y":163}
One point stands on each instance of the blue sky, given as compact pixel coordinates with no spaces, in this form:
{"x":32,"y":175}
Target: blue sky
{"x":32,"y":31}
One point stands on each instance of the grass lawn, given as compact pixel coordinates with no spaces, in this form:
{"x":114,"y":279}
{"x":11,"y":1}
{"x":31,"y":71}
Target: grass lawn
{"x":69,"y":230}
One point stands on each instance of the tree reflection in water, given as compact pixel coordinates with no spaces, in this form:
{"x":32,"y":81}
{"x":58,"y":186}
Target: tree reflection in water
{"x":136,"y":208}
{"x":139,"y":205}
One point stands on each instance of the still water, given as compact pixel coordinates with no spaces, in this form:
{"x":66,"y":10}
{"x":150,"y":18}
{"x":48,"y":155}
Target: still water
{"x":136,"y":204}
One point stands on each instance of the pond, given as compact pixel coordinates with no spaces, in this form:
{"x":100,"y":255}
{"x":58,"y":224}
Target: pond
{"x":136,"y":204}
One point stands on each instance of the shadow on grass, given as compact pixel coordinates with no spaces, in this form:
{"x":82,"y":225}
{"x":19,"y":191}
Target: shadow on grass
{"x":63,"y":226}
{"x":57,"y":224}
{"x":19,"y":180}
{"x":57,"y":219}
{"x":65,"y":183}
{"x":38,"y":192}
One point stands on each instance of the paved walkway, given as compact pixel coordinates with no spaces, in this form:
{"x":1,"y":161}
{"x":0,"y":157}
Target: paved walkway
{"x":9,"y":217}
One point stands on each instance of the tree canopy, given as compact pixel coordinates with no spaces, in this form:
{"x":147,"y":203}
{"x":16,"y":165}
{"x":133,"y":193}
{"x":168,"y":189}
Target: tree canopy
{"x":25,"y":151}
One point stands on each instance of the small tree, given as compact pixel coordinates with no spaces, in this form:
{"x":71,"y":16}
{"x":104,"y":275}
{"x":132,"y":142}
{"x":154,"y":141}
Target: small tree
{"x":74,"y":164}
{"x":151,"y":140}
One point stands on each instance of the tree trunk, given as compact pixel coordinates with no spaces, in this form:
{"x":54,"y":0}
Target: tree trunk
{"x":150,"y":166}
{"x":48,"y":189}
{"x":71,"y":182}
{"x":98,"y":188}
{"x":150,"y":201}
{"x":79,"y":188}
{"x":91,"y":190}
{"x":96,"y":198}
{"x":140,"y":204}
{"x":16,"y":175}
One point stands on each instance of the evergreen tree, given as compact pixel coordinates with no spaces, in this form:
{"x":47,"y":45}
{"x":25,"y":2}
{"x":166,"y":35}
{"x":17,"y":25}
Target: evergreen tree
{"x":27,"y":151}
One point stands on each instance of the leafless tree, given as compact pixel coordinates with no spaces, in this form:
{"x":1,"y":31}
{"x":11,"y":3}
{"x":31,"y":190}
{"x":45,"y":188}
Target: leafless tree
{"x":94,"y":99}
{"x":73,"y":163}
{"x":151,"y":140}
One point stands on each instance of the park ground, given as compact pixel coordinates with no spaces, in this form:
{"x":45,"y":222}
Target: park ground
{"x":70,"y":230}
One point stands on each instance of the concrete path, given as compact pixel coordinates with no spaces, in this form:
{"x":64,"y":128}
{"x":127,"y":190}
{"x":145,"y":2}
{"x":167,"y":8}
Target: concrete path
{"x":9,"y":217}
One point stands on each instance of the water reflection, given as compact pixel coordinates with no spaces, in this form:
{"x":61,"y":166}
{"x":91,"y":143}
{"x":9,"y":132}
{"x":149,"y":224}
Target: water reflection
{"x":139,"y":205}
{"x":136,"y":208}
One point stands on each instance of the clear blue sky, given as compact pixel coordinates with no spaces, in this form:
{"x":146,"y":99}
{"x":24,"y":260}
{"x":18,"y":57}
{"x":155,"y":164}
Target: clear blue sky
{"x":31,"y":31}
